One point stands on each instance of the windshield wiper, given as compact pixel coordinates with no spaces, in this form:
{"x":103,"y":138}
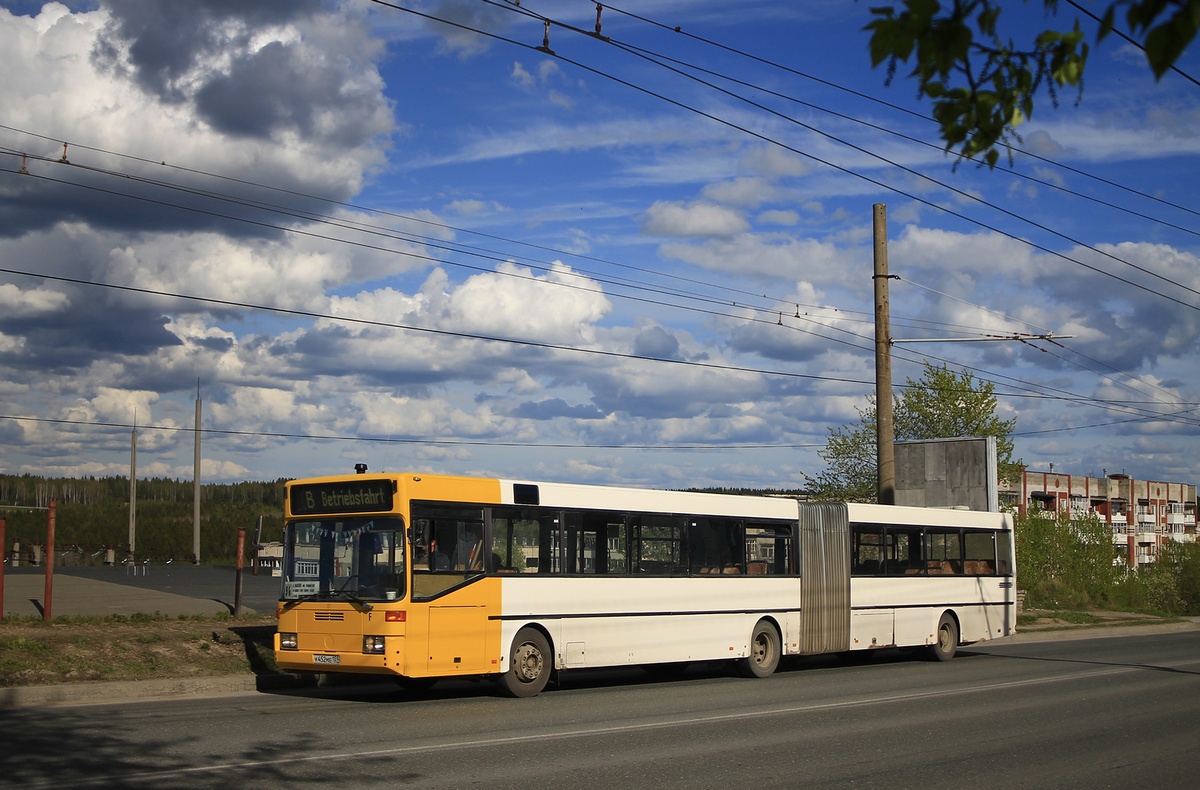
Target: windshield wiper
{"x":328,"y":595}
{"x":349,"y":596}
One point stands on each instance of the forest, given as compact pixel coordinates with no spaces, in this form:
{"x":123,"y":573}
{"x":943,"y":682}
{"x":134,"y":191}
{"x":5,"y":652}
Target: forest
{"x":92,"y":516}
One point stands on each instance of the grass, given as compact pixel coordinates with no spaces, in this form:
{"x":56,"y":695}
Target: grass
{"x":133,"y":647}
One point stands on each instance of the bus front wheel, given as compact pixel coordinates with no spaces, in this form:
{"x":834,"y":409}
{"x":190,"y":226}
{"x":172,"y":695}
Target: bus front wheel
{"x":529,"y":664}
{"x":946,"y":645}
{"x":765,"y":651}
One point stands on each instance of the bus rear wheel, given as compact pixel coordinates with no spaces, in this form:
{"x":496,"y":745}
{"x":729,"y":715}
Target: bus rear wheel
{"x":765,"y":651}
{"x":529,"y":664}
{"x":944,"y":648}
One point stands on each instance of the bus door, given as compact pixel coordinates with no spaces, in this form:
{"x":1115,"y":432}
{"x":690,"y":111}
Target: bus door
{"x":824,"y":577}
{"x":449,"y":554}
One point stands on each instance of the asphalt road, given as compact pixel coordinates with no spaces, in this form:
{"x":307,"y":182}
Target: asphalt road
{"x":1098,"y":712}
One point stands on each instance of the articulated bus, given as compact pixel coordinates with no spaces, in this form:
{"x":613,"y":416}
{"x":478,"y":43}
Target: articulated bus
{"x":427,"y":576}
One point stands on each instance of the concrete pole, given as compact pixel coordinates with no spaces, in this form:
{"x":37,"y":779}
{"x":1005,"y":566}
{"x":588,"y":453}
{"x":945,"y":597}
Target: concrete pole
{"x":885,"y":430}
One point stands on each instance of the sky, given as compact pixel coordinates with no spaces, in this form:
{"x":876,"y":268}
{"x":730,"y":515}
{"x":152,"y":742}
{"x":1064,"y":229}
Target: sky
{"x":439,"y":236}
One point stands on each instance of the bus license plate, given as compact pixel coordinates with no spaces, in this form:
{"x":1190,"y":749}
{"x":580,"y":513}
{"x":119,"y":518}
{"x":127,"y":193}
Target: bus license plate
{"x":321,"y":659}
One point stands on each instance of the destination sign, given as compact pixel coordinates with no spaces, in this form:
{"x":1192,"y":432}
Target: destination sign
{"x":348,"y":496}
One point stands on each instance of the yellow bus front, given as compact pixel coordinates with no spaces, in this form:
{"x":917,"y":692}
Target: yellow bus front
{"x":368,"y":590}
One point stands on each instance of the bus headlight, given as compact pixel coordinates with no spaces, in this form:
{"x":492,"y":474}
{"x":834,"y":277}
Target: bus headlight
{"x":287,"y":641}
{"x":373,"y":644}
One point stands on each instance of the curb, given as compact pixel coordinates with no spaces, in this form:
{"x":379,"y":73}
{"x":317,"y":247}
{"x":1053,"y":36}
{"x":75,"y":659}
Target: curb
{"x":107,"y":693}
{"x":1100,"y":631}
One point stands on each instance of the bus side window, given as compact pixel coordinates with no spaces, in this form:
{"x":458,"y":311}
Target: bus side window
{"x":514,"y":540}
{"x":903,"y":552}
{"x":657,"y":543}
{"x":980,"y":554}
{"x":1003,"y":552}
{"x":714,"y":544}
{"x":595,"y":542}
{"x":867,"y":550}
{"x":943,"y":551}
{"x":767,"y":549}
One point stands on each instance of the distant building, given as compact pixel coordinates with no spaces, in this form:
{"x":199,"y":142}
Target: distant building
{"x":1143,"y":514}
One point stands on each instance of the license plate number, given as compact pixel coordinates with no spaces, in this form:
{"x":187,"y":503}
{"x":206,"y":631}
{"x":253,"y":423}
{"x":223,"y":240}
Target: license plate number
{"x":321,"y":659}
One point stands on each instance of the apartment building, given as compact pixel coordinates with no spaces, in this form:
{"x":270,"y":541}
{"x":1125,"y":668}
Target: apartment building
{"x":1143,"y":514}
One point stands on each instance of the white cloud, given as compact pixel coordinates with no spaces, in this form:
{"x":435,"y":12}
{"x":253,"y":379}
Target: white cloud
{"x":22,"y":303}
{"x":697,"y":219}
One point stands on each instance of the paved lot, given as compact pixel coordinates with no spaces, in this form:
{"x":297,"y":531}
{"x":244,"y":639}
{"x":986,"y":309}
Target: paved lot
{"x":165,"y":589}
{"x":170,"y":590}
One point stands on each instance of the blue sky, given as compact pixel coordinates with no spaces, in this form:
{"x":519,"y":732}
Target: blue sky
{"x":370,"y":237}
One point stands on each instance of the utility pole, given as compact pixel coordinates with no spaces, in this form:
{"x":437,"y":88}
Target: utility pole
{"x":196,"y":486}
{"x":885,"y":439}
{"x":133,"y":491}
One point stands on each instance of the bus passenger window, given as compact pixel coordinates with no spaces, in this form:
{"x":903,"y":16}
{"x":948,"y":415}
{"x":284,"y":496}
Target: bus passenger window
{"x":768,"y":549}
{"x":657,"y":544}
{"x":867,"y":557}
{"x":714,"y":544}
{"x":980,"y":554}
{"x":903,"y":552}
{"x":595,"y":542}
{"x":943,"y":551}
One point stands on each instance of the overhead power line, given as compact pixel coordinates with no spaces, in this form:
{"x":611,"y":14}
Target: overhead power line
{"x":321,"y":437}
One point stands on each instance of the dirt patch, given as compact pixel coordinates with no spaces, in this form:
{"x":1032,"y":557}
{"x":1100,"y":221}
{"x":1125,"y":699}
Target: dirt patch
{"x":35,"y":653}
{"x":1045,"y":619}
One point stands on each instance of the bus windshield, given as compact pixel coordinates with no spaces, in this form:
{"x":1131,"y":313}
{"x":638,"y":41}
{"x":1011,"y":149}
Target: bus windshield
{"x":351,"y":558}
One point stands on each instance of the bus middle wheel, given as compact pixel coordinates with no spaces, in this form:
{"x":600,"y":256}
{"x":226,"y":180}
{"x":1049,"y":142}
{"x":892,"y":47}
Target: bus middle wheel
{"x":765,"y":651}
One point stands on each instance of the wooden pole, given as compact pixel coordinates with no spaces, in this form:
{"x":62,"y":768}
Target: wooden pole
{"x":4,"y":552}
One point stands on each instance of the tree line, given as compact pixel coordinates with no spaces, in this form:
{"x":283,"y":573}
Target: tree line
{"x":92,"y":516}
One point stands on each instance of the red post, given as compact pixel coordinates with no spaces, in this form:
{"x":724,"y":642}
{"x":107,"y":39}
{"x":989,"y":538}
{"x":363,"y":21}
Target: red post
{"x":237,"y":590}
{"x":46,"y":603}
{"x":3,"y":550}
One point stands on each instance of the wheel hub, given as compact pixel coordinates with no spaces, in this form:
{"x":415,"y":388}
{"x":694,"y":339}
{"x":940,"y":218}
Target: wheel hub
{"x":529,"y":662}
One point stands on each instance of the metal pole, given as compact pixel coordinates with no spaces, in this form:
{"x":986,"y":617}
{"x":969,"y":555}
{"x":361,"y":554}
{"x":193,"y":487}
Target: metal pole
{"x":47,"y":600}
{"x":885,"y":429}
